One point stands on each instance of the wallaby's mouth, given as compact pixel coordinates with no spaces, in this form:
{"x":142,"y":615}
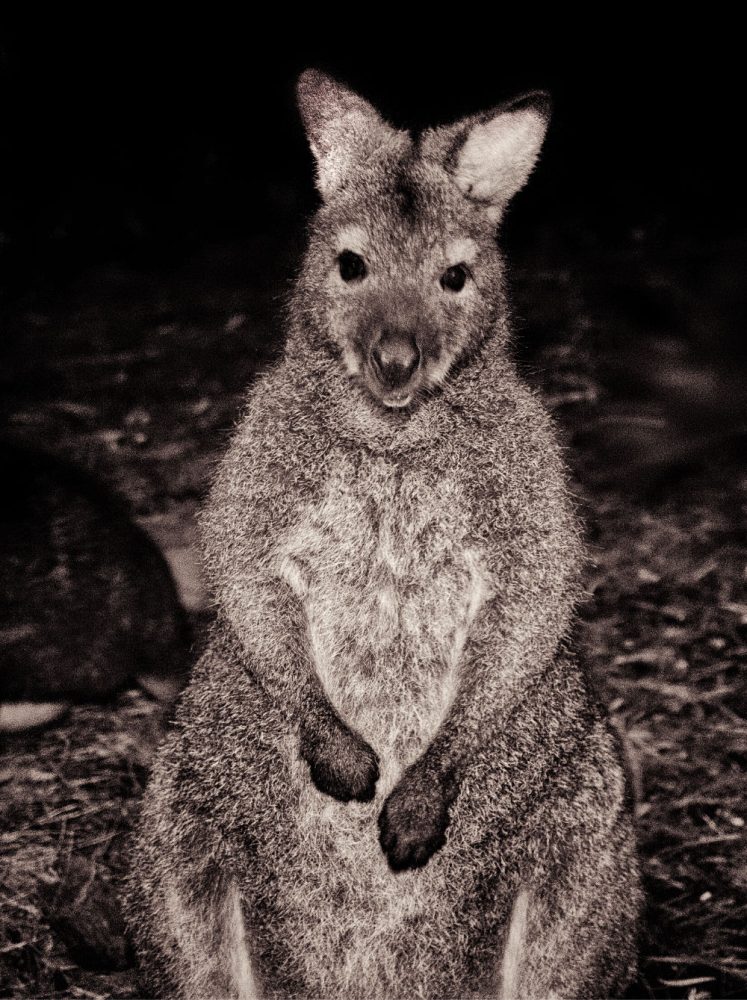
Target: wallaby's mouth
{"x":393,"y":367}
{"x":397,"y":400}
{"x":391,"y":397}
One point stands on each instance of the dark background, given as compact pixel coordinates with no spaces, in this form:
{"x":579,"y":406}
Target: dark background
{"x":131,"y":139}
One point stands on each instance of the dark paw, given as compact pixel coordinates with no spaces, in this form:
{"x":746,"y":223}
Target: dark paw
{"x":413,"y":821}
{"x":342,"y":764}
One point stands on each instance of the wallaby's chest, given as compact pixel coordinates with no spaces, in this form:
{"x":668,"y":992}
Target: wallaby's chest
{"x":390,"y":579}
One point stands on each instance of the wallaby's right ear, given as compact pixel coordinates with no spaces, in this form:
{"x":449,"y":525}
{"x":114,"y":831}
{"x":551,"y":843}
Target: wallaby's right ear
{"x":491,"y":156}
{"x":342,"y":128}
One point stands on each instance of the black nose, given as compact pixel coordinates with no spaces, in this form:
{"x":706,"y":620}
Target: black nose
{"x":396,"y":359}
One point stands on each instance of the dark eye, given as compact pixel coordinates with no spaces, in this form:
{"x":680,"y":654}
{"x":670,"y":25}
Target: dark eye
{"x":454,"y":277}
{"x":352,"y":266}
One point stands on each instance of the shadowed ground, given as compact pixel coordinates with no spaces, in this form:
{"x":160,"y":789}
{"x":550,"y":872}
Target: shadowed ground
{"x":140,"y":378}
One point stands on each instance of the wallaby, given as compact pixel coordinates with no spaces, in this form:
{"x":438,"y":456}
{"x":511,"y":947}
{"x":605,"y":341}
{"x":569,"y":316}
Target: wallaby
{"x":87,"y":602}
{"x":388,"y":748}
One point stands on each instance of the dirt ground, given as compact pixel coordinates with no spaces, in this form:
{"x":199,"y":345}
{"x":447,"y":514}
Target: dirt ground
{"x":139,"y":376}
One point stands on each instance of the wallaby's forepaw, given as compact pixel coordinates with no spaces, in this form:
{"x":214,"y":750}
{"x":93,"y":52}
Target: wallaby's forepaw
{"x":414,"y":818}
{"x":342,"y":764}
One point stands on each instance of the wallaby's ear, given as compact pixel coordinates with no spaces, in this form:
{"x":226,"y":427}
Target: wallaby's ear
{"x":342,"y":128}
{"x":491,"y":156}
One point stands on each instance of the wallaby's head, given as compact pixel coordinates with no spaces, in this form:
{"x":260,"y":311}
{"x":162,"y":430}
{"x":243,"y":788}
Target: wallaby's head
{"x":402,"y":279}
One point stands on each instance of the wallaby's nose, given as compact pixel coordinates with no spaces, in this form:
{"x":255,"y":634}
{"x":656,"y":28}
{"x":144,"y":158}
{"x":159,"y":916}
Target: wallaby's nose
{"x":396,"y":359}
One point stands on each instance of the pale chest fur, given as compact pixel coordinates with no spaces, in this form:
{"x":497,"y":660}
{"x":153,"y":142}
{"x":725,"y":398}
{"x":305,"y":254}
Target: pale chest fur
{"x":391,"y":580}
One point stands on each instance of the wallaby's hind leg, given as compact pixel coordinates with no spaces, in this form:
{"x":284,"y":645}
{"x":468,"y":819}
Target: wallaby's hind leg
{"x":514,"y":971}
{"x":241,"y":972}
{"x":513,"y":949}
{"x":183,"y":909}
{"x":564,"y":947}
{"x":212,"y":942}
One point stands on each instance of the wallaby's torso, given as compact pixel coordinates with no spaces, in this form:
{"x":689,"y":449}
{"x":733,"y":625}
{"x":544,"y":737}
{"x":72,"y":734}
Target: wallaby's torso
{"x":392,"y":554}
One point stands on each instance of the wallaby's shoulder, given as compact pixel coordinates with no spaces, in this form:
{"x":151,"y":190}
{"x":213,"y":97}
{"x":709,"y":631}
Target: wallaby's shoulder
{"x":278,"y":438}
{"x":504,"y":435}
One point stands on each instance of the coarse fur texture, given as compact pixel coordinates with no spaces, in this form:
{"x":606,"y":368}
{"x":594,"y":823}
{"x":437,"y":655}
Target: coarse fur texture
{"x":388,"y":748}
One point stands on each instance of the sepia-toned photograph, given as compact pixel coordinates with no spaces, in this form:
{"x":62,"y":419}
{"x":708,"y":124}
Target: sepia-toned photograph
{"x":373,"y":563}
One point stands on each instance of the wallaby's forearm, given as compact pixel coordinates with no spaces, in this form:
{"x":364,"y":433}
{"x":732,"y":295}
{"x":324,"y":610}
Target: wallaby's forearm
{"x":519,"y":630}
{"x":477,"y":732}
{"x":512,"y":643}
{"x":492,"y":683}
{"x":240,"y":528}
{"x":270,"y":627}
{"x":501,"y":659}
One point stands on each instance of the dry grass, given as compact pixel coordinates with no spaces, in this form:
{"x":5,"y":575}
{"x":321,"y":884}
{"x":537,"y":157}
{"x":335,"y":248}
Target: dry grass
{"x":665,"y":630}
{"x":666,"y":638}
{"x":67,"y":793}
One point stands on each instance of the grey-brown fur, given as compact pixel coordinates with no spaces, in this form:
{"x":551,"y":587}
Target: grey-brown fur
{"x":387,"y":741}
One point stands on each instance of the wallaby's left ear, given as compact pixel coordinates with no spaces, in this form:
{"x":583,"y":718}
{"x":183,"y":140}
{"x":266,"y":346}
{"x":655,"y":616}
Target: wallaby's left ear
{"x":343,"y":129}
{"x":491,"y":156}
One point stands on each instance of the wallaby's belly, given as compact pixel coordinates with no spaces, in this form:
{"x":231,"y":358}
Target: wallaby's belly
{"x":390,"y":581}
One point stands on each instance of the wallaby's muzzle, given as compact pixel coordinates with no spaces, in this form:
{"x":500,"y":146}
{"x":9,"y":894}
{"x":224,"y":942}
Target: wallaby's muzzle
{"x":395,"y":358}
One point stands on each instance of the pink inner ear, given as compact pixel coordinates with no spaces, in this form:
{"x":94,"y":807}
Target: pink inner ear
{"x":498,"y":155}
